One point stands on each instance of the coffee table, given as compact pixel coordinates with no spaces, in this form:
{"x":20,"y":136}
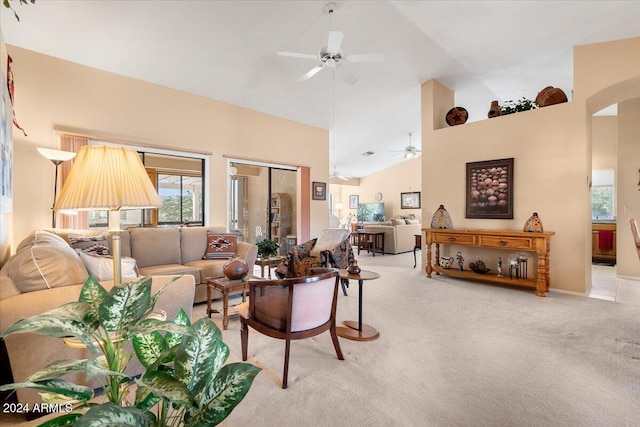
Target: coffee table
{"x":226,"y":287}
{"x":353,"y":330}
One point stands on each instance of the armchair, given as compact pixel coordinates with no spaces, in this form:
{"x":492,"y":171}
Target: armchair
{"x":292,"y":309}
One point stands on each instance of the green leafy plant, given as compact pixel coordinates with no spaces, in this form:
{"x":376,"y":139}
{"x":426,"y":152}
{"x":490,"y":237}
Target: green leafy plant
{"x":267,"y":248}
{"x":524,"y":104}
{"x":185,"y":382}
{"x":8,"y":5}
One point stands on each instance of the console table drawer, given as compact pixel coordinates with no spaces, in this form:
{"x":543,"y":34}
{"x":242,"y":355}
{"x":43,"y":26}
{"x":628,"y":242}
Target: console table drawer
{"x":523,"y":243}
{"x":455,"y":239}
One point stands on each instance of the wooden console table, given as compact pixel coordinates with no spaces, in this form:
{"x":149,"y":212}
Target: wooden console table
{"x":538,"y":243}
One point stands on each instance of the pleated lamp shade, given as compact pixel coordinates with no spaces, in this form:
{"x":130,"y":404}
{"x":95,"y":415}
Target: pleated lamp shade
{"x":107,"y":178}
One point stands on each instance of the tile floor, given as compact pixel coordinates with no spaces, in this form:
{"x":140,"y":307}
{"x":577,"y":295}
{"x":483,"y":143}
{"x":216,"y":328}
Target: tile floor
{"x":606,"y":285}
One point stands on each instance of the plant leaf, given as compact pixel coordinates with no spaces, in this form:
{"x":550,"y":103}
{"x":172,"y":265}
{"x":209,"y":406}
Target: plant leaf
{"x":146,"y":326}
{"x":125,"y":304}
{"x":164,"y":385}
{"x":155,"y":297}
{"x":172,"y":338}
{"x":145,"y":400}
{"x":53,"y":325}
{"x":224,"y":393}
{"x":57,"y":386}
{"x":112,"y":415}
{"x":57,"y":369}
{"x":199,"y":357}
{"x":92,"y":293}
{"x":148,"y":347}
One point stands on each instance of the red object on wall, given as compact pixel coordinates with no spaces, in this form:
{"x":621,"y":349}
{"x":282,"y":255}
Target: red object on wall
{"x":605,"y":239}
{"x":11,"y":87}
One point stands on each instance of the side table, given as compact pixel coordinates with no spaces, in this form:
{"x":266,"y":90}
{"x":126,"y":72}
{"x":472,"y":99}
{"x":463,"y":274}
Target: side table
{"x":268,"y":262}
{"x":225,"y":286}
{"x":353,"y":330}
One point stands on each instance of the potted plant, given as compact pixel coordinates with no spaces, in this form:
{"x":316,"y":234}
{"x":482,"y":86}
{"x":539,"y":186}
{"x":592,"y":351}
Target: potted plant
{"x":267,"y":248}
{"x":185,"y":382}
{"x":524,"y":104}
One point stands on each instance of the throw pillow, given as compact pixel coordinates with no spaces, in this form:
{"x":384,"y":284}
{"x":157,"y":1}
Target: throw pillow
{"x":329,"y":239}
{"x":101,"y":267}
{"x":44,"y":260}
{"x":397,"y":221}
{"x":90,"y":244}
{"x":220,"y":245}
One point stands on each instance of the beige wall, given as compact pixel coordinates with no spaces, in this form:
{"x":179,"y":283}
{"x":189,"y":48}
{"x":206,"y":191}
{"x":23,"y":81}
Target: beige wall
{"x":401,"y":178}
{"x":552,"y":151}
{"x":605,"y":138}
{"x":628,"y":190}
{"x":56,"y":94}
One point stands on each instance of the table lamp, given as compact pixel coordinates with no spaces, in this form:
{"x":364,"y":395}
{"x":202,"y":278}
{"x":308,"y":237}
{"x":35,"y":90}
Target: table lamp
{"x":57,"y":157}
{"x":108,"y":178}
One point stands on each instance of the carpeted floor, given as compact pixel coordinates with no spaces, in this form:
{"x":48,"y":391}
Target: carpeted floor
{"x":451,"y":353}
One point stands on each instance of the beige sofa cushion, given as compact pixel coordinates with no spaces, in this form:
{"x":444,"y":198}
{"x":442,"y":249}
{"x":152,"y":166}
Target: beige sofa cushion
{"x":155,"y":247}
{"x":44,"y":260}
{"x":193,"y":242}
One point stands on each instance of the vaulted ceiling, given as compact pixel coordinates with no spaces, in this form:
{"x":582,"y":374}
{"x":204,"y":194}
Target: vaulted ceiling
{"x":227,"y":50}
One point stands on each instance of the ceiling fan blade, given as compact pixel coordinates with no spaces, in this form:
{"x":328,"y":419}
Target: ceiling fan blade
{"x":346,"y":75}
{"x":298,"y":55}
{"x":344,"y":178}
{"x":366,"y":57}
{"x":312,"y":72}
{"x":335,"y":40}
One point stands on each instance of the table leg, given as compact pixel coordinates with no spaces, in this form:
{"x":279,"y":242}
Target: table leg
{"x":262,"y":270}
{"x":415,"y":260}
{"x":209,"y":301}
{"x":373,"y":243}
{"x":358,"y":331}
{"x":225,"y":310}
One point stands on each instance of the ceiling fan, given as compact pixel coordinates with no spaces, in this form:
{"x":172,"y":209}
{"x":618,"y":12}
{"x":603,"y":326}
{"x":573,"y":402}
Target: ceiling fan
{"x":335,"y":174}
{"x":331,"y":56}
{"x":409,"y":152}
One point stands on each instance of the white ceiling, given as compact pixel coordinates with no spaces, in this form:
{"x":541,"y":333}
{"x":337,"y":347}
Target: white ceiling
{"x":226,"y":50}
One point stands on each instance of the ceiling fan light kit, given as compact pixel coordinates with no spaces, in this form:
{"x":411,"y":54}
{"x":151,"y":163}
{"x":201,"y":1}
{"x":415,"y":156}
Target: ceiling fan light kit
{"x":409,"y":152}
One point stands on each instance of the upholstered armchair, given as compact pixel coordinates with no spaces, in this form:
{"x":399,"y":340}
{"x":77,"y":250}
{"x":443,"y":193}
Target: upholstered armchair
{"x":291,"y":309}
{"x":331,"y":249}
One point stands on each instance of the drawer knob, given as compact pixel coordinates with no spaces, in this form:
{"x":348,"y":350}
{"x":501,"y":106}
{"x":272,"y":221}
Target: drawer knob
{"x":503,"y":243}
{"x":452,"y":239}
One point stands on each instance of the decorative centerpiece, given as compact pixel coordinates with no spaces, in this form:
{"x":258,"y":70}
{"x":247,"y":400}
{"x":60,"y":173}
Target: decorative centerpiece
{"x":441,"y":218}
{"x":353,"y":267}
{"x":235,"y":268}
{"x":533,"y":224}
{"x":479,"y":267}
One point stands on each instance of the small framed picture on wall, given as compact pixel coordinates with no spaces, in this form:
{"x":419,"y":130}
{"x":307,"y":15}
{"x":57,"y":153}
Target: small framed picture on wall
{"x":410,"y":200}
{"x":353,"y":201}
{"x":319,"y":190}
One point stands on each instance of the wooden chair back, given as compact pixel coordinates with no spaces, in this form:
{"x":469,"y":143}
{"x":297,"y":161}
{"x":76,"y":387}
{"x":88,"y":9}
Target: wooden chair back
{"x":294,"y":308}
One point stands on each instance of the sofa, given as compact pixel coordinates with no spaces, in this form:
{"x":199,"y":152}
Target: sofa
{"x":47,"y":270}
{"x":399,"y":234}
{"x":152,"y":251}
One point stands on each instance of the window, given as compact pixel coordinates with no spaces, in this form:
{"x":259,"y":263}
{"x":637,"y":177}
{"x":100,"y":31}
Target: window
{"x":178,"y":177}
{"x":181,"y":196}
{"x":602,"y":195}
